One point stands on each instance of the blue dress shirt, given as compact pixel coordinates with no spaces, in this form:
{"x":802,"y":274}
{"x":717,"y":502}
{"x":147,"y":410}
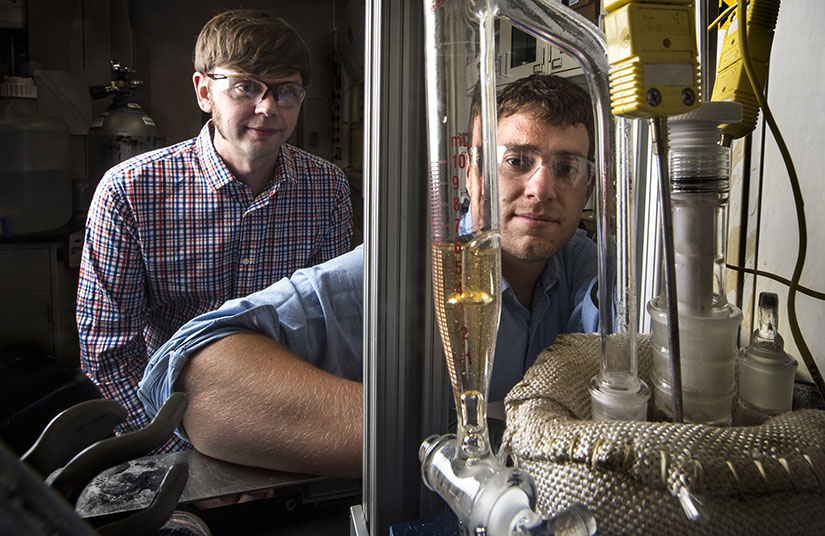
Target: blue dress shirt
{"x":318,"y":315}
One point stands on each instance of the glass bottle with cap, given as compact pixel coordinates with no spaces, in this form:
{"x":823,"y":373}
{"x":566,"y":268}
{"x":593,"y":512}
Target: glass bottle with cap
{"x":766,"y":371}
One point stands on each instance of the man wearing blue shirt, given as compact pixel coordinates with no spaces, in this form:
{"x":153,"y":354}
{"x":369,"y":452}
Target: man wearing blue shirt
{"x":273,"y":379}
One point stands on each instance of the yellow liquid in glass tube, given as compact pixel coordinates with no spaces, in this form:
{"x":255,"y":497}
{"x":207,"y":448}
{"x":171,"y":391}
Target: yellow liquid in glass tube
{"x":467,"y":290}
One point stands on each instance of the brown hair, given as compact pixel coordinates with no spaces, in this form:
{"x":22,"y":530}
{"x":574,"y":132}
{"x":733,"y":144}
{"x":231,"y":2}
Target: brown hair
{"x":549,"y":98}
{"x":252,"y":42}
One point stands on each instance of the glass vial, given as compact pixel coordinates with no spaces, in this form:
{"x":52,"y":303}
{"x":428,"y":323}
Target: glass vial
{"x":766,"y":371}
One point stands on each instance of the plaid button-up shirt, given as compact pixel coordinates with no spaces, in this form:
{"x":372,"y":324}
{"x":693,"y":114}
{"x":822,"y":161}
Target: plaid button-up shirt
{"x":172,"y":234}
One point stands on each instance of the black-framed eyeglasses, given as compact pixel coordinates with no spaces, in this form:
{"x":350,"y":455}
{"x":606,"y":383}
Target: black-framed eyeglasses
{"x":246,"y":89}
{"x":568,"y":170}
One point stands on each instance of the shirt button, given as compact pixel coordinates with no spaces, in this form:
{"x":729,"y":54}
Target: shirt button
{"x":246,"y":260}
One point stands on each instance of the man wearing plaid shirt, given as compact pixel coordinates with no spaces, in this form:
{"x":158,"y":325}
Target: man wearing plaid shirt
{"x":176,"y":232}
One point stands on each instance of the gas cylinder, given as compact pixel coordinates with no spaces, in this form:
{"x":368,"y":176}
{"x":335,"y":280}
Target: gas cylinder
{"x":124,"y":130}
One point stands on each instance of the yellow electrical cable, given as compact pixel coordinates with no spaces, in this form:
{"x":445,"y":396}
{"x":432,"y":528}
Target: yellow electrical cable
{"x":804,"y":290}
{"x":721,"y":16}
{"x":799,"y":202}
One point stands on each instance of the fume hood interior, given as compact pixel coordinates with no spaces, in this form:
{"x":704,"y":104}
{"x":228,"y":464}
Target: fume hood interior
{"x":380,"y":98}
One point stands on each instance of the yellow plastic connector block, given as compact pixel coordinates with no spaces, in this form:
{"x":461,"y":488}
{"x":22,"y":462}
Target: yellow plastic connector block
{"x":613,"y":5}
{"x":732,"y":83}
{"x":651,"y":48}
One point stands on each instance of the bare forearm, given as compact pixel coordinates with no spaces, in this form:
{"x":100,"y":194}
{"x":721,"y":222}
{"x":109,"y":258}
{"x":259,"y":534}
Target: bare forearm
{"x":253,"y":402}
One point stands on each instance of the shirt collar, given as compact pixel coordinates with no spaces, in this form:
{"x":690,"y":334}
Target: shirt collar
{"x":547,"y":279}
{"x":218,"y":175}
{"x":286,"y":166}
{"x":549,"y":275}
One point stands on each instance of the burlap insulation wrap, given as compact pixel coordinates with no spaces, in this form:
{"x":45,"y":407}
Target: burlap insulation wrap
{"x":642,"y":477}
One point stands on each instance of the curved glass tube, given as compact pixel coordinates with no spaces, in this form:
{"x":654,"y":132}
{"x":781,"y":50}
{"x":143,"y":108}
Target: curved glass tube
{"x":617,"y":392}
{"x":465,"y":237}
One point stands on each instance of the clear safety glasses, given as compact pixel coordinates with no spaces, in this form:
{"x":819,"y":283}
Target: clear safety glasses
{"x":568,"y":170}
{"x":246,"y":89}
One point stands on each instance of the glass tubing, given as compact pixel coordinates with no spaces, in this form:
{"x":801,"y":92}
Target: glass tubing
{"x":618,"y":324}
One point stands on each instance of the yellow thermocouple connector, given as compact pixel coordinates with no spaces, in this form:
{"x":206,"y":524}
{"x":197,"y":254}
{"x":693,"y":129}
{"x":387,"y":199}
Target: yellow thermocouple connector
{"x":651,"y":48}
{"x":732,"y":82}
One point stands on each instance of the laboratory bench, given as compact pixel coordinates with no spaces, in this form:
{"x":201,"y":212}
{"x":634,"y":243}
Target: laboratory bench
{"x":228,"y":498}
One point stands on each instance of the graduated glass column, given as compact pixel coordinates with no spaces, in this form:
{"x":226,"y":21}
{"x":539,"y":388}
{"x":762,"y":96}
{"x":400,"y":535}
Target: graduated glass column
{"x":466,"y":254}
